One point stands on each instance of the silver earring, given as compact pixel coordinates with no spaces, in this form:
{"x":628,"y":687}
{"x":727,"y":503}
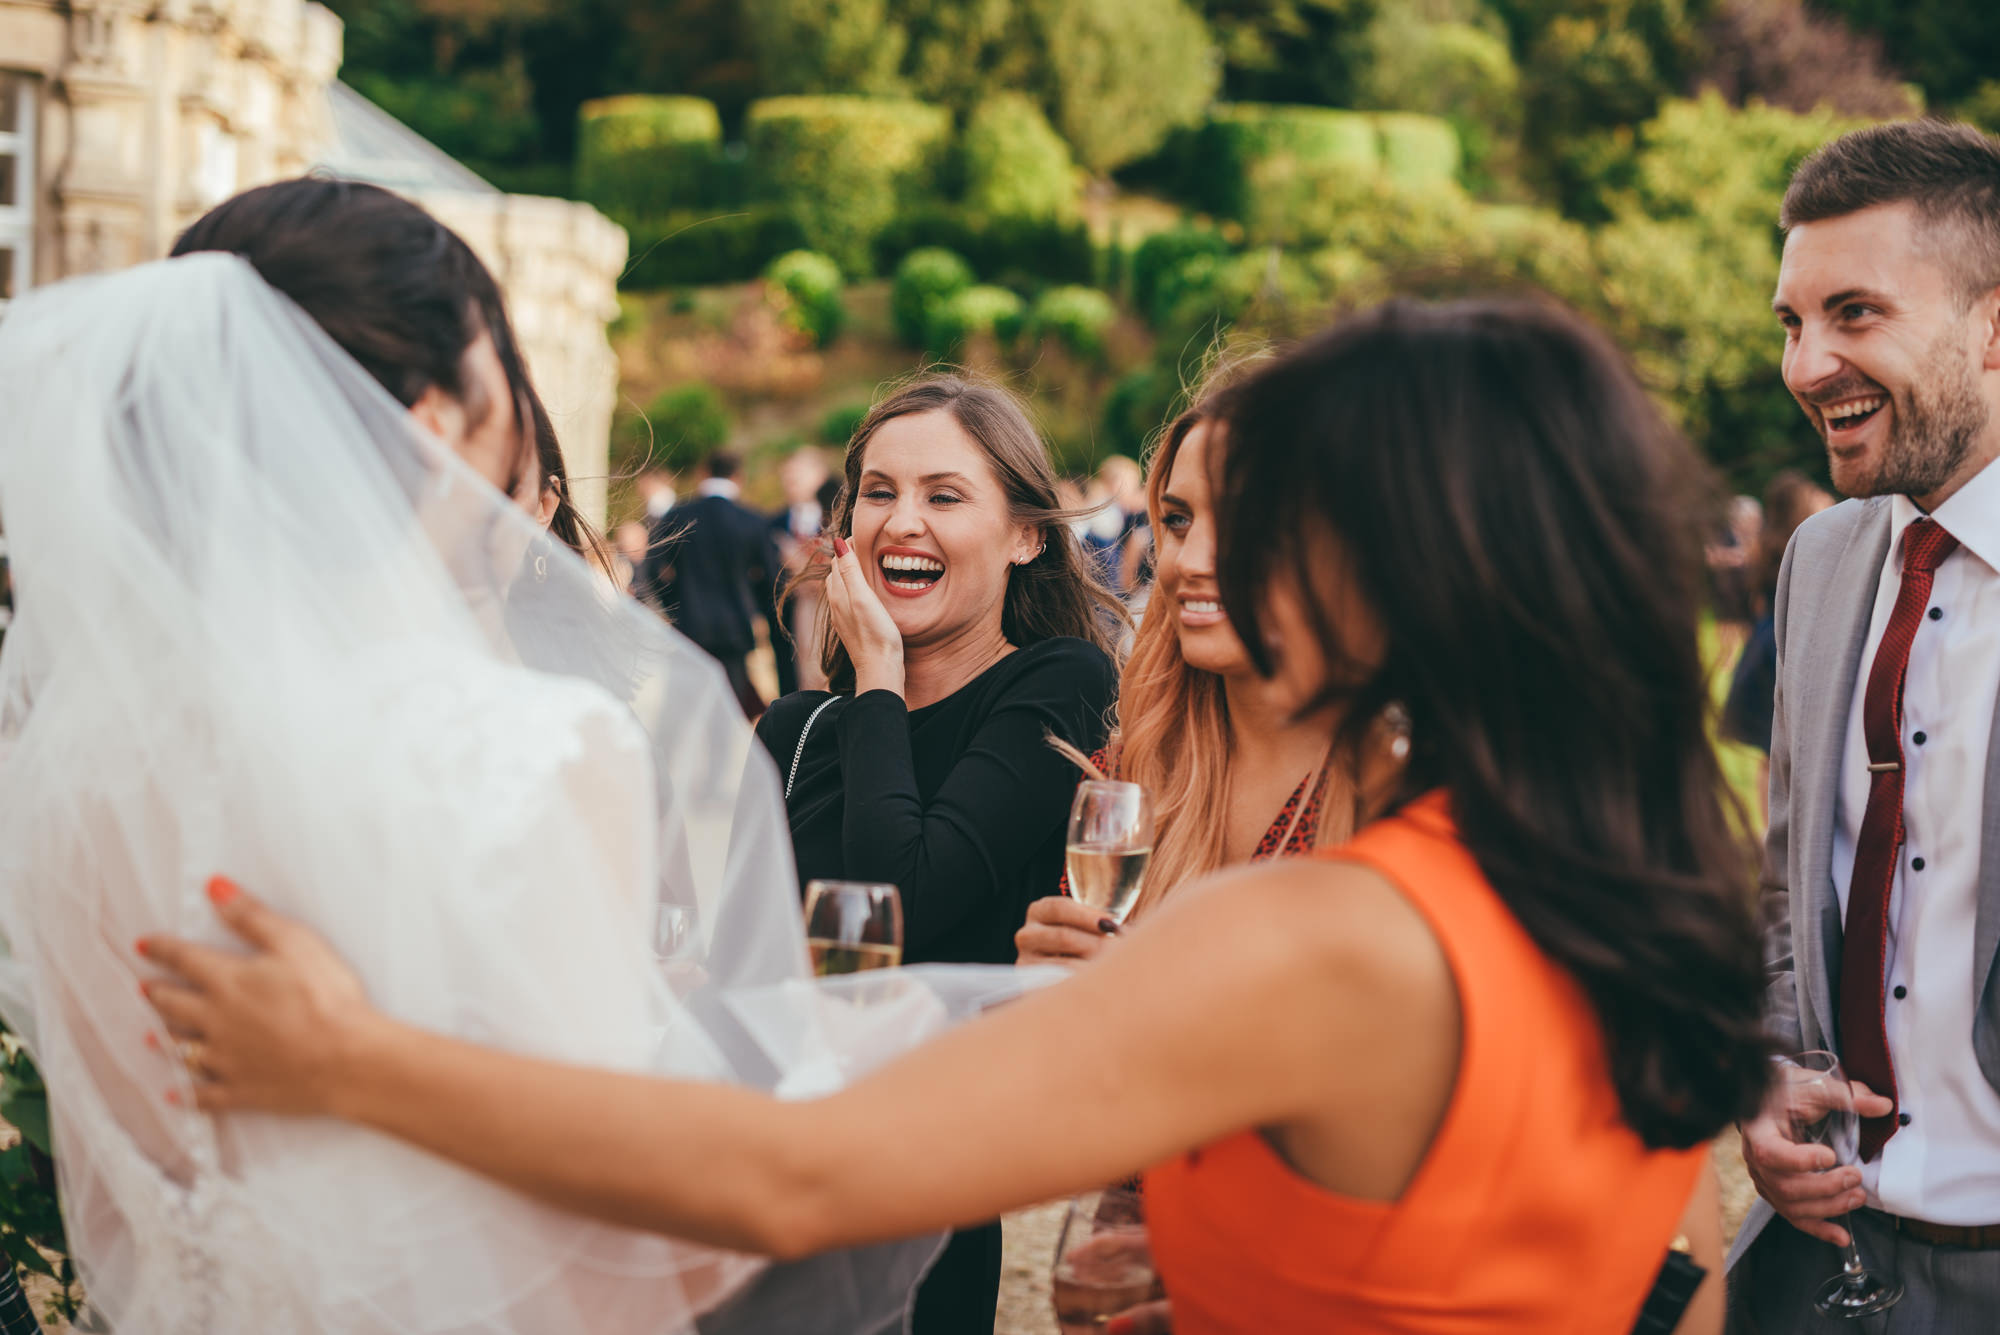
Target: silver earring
{"x":1397,"y":719}
{"x":541,"y":551}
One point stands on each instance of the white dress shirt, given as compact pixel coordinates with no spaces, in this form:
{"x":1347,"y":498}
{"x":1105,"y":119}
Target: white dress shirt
{"x":1944,"y":1165}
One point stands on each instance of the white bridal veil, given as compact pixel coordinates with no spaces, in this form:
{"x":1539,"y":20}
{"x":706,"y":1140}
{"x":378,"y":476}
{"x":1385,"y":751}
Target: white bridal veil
{"x":267,"y":628}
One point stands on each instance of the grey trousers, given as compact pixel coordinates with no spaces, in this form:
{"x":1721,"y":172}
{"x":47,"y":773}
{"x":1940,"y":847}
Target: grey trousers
{"x":1946,"y":1291}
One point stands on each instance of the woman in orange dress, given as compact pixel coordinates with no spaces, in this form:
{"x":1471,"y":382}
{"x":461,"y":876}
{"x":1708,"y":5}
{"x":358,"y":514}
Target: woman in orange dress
{"x":1458,"y":1076}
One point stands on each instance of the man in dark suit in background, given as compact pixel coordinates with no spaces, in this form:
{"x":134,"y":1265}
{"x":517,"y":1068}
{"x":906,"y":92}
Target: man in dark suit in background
{"x":713,"y":565}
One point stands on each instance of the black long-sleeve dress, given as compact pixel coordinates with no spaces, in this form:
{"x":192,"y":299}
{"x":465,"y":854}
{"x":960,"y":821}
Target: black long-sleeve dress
{"x":963,"y":806}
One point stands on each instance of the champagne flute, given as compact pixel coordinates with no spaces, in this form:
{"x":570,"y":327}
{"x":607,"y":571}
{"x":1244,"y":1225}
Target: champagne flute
{"x":1110,"y":842}
{"x":1814,"y":1101}
{"x":1104,"y":1262}
{"x":853,"y":927}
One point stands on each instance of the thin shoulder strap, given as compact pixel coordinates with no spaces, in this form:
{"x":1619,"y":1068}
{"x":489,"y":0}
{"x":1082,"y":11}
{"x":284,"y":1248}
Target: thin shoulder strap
{"x":799,"y":752}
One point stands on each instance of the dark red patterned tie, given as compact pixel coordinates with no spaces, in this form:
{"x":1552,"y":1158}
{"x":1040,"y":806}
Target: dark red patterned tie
{"x":1864,"y":1039}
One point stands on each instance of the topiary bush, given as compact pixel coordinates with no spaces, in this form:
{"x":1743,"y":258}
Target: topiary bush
{"x":1239,"y":136}
{"x":982,"y":309}
{"x":1032,"y":250}
{"x":1016,"y":165}
{"x":679,"y":429}
{"x":705,"y":247}
{"x":1158,"y":257}
{"x":1418,"y":150}
{"x":844,"y":166}
{"x":1076,"y":317}
{"x":924,"y":279}
{"x":639,"y":157}
{"x":839,"y":425}
{"x":805,"y":286}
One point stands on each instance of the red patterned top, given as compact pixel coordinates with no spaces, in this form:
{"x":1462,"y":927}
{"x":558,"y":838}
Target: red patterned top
{"x":1304,"y":834}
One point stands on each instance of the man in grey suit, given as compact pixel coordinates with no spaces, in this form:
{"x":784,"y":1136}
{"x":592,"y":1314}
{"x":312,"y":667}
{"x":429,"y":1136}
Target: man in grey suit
{"x":1882,"y":875}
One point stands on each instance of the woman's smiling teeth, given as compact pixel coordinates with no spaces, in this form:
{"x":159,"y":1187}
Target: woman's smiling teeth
{"x":908,"y":572}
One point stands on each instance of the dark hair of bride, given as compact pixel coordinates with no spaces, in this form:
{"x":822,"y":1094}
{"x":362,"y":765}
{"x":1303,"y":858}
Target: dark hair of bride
{"x":1525,"y":529}
{"x":400,"y":292}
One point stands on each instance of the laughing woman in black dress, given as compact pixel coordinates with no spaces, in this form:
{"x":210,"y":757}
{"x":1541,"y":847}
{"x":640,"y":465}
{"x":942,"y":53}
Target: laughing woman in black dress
{"x":964,"y":630}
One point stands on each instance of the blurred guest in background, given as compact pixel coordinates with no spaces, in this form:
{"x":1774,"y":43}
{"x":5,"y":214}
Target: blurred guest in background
{"x":655,"y":485}
{"x":1730,"y":557}
{"x":803,"y":475}
{"x":713,"y":566}
{"x":1235,"y":775}
{"x":628,"y":543}
{"x":1119,"y":489}
{"x":965,"y":628}
{"x":1790,"y":499}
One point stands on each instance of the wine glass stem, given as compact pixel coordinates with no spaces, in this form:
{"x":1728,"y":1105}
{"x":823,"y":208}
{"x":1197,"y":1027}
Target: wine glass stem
{"x":1851,"y":1265}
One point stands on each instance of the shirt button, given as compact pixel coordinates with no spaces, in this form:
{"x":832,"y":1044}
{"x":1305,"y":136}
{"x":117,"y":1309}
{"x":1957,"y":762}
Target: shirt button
{"x":1920,"y":739}
{"x":1916,"y":864}
{"x":1901,"y":991}
{"x":1902,"y":1119}
{"x":1937,"y":614}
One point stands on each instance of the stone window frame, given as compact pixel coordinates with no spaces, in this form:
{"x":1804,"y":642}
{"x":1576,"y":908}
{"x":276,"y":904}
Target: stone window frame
{"x":17,"y":222}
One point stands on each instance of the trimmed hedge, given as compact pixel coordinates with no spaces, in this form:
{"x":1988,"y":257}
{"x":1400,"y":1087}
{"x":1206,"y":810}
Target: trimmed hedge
{"x":1076,"y":317}
{"x":925,"y":279}
{"x":1239,"y":136}
{"x":805,"y":286}
{"x":1034,"y":251}
{"x":845,"y":166}
{"x":1156,"y":287}
{"x":983,"y":309}
{"x":639,"y":157}
{"x":706,"y":247}
{"x":1016,"y":165}
{"x":1418,"y":150}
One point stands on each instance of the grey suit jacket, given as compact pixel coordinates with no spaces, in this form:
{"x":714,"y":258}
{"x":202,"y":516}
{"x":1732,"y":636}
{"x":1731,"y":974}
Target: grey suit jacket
{"x":1826,"y":595}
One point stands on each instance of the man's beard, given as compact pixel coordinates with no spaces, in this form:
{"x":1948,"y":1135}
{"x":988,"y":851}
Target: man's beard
{"x":1934,"y":428}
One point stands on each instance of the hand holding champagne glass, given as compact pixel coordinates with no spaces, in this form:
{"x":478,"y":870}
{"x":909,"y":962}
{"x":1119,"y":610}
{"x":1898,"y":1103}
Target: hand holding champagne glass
{"x":853,"y":927}
{"x":1110,"y":842}
{"x":1814,"y":1101}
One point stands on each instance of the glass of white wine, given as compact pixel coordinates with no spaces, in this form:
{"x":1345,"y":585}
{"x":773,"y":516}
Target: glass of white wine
{"x":1110,"y":843}
{"x":1104,"y":1261}
{"x":853,"y":926}
{"x":1812,"y":1098}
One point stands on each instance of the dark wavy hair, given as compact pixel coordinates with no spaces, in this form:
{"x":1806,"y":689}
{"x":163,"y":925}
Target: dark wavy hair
{"x":1057,"y":593}
{"x":1526,"y":528}
{"x":401,"y":293}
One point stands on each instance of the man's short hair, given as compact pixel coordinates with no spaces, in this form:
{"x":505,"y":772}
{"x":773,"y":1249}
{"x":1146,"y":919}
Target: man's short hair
{"x":1947,"y":169}
{"x":723,"y":464}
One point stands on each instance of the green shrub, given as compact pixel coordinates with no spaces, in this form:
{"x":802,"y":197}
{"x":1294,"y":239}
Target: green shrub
{"x":1076,"y":317}
{"x":702,"y":247}
{"x":1418,"y":150}
{"x":1030,"y":251}
{"x":679,"y":429}
{"x":639,"y":157}
{"x":983,"y":309}
{"x":844,"y":166}
{"x":805,"y":285}
{"x":1159,"y":256}
{"x":1016,"y":165}
{"x":924,"y":279}
{"x":839,"y":425}
{"x":1458,"y":71}
{"x":1238,"y":137}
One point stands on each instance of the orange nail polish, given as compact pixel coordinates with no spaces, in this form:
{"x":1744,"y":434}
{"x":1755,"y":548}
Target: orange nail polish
{"x":221,"y":890}
{"x":174,"y":1097}
{"x":840,"y":547}
{"x":153,"y":1041}
{"x":139,"y":946}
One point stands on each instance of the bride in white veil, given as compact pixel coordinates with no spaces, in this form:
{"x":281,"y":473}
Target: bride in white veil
{"x":269,"y":628}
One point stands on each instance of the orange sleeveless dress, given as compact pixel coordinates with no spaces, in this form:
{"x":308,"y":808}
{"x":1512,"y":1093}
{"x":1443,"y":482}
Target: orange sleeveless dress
{"x":1536,"y":1211}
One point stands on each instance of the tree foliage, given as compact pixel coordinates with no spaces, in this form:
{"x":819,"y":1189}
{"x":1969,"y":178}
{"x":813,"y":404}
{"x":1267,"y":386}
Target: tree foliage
{"x":1120,"y":75}
{"x":1016,"y":165}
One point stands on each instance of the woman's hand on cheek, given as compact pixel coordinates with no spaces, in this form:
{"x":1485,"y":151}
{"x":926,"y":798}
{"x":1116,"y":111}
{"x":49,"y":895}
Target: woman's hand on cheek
{"x":863,"y":623}
{"x":265,"y":1030}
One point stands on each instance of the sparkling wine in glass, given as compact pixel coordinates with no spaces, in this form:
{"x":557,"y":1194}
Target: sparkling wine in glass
{"x":1104,"y":1264}
{"x":1814,"y":1100}
{"x":1110,"y":843}
{"x":853,"y":927}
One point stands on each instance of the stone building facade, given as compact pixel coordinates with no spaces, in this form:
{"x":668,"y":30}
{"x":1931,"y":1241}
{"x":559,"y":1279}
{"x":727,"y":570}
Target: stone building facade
{"x":121,"y":121}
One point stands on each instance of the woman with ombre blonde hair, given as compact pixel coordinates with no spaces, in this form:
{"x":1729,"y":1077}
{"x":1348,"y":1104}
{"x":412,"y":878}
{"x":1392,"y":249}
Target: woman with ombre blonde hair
{"x":1234,"y":774}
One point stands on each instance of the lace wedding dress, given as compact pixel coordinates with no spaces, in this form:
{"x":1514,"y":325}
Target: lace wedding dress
{"x":268,"y":629}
